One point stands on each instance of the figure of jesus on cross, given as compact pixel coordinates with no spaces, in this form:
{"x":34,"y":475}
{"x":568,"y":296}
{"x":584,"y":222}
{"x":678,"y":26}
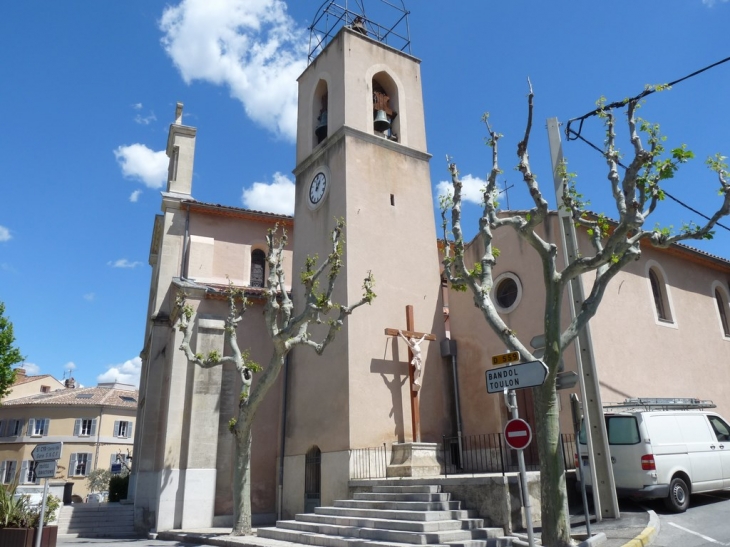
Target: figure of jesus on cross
{"x":413,"y":339}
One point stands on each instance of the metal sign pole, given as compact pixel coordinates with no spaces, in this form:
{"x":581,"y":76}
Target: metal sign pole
{"x":510,"y":399}
{"x":43,"y":514}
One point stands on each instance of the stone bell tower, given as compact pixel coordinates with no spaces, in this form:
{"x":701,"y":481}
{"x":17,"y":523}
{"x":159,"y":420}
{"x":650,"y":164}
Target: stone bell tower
{"x":361,"y":155}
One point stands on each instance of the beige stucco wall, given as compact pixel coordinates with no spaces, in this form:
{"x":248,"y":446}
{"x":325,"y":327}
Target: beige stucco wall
{"x":33,"y":387}
{"x":61,"y":429}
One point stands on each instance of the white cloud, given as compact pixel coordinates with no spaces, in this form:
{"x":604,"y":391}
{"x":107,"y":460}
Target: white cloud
{"x":139,"y":162}
{"x":69,"y":367}
{"x":5,"y":234}
{"x":31,"y":369}
{"x":711,"y":3}
{"x":134,"y":197}
{"x":145,"y":120}
{"x":251,"y":46}
{"x":276,"y":197}
{"x":472,"y":189}
{"x":137,"y":106}
{"x":89,"y":296}
{"x":126,"y":373}
{"x":123,"y":263}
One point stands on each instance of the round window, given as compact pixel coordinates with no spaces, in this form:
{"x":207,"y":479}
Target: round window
{"x":507,"y":292}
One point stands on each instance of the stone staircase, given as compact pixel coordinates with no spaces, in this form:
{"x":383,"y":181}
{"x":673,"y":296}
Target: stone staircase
{"x":390,"y":516}
{"x":96,"y":520}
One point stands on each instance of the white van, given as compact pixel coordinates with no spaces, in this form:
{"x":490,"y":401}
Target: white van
{"x":665,"y":448}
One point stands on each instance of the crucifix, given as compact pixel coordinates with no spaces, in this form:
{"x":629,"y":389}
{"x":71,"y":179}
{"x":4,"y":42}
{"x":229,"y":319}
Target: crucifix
{"x":413,"y":339}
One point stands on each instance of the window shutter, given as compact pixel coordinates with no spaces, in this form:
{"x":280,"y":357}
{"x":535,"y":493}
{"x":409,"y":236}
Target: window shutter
{"x":112,"y":460}
{"x":46,"y":426}
{"x":18,"y":431}
{"x":13,"y":466}
{"x":93,"y":427}
{"x":116,"y":428}
{"x":72,"y":466}
{"x":2,"y":471}
{"x":24,"y":472}
{"x":77,"y":428}
{"x":88,"y":464}
{"x":2,"y":428}
{"x":129,"y":429}
{"x":31,"y":427}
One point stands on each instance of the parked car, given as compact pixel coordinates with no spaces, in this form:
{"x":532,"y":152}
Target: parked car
{"x":664,"y":448}
{"x":97,"y":497}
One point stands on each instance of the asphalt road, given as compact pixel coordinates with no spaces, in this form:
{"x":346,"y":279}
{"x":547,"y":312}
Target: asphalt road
{"x":705,"y":524}
{"x":106,"y":542}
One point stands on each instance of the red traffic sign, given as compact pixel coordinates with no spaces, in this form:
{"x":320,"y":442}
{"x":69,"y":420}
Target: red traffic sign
{"x":517,"y":433}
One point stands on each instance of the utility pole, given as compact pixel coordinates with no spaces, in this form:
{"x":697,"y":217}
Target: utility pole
{"x":599,"y":457}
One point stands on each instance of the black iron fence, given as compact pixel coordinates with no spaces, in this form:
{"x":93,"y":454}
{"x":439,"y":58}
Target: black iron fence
{"x":489,"y":453}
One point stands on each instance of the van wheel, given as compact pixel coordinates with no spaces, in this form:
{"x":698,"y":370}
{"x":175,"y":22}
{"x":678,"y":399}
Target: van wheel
{"x":678,"y":498}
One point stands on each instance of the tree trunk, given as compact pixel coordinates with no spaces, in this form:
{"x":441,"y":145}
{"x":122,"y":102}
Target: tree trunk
{"x":242,"y":481}
{"x":554,"y":499}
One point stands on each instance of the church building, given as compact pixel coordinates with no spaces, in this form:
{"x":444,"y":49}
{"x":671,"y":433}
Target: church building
{"x":361,"y":155}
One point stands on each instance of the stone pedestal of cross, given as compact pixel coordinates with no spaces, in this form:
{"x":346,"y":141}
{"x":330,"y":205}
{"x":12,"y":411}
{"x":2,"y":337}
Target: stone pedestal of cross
{"x":410,"y":334}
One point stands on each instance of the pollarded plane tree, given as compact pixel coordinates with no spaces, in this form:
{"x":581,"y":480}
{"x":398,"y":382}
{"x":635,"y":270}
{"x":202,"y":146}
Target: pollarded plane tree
{"x":286,"y":329}
{"x":636,"y":195}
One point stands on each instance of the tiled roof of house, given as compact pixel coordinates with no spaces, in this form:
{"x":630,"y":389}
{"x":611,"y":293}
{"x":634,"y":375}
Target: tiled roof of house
{"x":23,"y":379}
{"x":90,"y":396}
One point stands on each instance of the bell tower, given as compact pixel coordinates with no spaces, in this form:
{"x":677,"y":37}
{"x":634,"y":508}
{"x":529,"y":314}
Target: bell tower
{"x":361,"y":155}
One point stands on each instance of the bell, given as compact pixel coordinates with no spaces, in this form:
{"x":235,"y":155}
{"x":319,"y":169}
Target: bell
{"x":381,"y":122}
{"x":321,"y":129}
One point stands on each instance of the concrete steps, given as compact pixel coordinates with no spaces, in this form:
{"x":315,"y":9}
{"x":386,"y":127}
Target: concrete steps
{"x":96,"y":520}
{"x":389,"y":516}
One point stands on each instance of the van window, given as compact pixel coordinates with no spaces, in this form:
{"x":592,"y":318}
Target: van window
{"x":621,"y":430}
{"x":722,"y":430}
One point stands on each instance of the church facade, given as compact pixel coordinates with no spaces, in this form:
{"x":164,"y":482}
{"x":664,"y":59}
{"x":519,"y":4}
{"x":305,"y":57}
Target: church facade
{"x":361,"y":155}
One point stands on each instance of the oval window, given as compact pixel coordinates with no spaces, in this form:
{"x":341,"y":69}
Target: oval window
{"x":507,"y":292}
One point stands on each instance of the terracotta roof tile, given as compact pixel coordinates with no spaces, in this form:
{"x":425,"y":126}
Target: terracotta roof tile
{"x":21,"y":379}
{"x":90,"y":396}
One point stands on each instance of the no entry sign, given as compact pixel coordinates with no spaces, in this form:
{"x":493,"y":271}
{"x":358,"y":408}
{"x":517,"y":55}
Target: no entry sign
{"x":517,"y":433}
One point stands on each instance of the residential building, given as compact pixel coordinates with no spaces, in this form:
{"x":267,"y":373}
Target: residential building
{"x":95,"y":425}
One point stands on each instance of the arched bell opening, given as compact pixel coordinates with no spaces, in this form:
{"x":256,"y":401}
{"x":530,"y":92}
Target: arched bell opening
{"x":385,"y":107}
{"x":320,"y":113}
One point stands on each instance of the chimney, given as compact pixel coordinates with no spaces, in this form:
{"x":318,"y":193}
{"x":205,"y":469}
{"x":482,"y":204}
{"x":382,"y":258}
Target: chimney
{"x":70,"y":383}
{"x":20,"y":371}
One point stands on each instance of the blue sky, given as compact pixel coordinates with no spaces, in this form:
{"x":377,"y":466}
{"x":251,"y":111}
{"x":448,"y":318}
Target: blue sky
{"x":89,"y":90}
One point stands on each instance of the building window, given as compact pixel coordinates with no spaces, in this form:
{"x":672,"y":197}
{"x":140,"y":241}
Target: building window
{"x":659,"y":293}
{"x":38,"y":427}
{"x":722,"y":308}
{"x":321,"y":112}
{"x":258,"y":268}
{"x":11,"y":428}
{"x":45,"y":389}
{"x":85,"y":427}
{"x":7,"y":471}
{"x":27,"y":472}
{"x":123,"y":429}
{"x":385,"y":107}
{"x":80,"y":465}
{"x":507,"y":292}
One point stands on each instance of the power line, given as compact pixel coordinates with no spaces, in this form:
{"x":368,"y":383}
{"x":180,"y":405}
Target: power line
{"x":573,"y":135}
{"x":624,"y":102}
{"x":680,"y":202}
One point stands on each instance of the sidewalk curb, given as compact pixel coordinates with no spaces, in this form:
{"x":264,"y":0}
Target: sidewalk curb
{"x":646,"y":537}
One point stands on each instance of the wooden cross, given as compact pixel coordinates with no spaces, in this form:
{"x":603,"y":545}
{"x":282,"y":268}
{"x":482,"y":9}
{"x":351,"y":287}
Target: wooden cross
{"x":410,"y":333}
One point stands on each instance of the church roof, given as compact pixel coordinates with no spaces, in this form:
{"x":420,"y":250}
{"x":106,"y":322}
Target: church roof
{"x":226,"y":210}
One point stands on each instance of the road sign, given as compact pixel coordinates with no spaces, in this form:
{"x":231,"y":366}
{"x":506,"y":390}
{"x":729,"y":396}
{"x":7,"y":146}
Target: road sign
{"x":504,"y":358}
{"x":566,"y":380}
{"x":48,"y":451}
{"x":45,"y":469}
{"x":516,"y":376}
{"x":517,"y":433}
{"x":116,"y":468}
{"x":538,"y":341}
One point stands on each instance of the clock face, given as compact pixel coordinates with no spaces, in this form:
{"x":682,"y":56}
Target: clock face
{"x":317,"y":188}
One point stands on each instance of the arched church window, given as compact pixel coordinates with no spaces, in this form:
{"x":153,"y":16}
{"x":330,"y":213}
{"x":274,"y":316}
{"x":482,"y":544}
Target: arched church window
{"x":258,"y":268}
{"x":385,"y":105}
{"x":659,"y":293}
{"x":722,"y":308}
{"x":321,"y":112}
